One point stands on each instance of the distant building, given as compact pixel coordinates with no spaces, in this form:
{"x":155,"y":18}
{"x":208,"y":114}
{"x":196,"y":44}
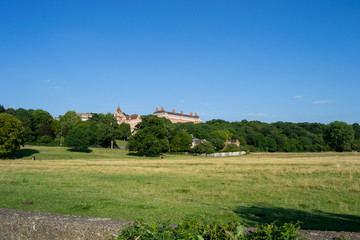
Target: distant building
{"x":196,"y":141}
{"x":85,"y":116}
{"x":132,"y":120}
{"x":236,"y":142}
{"x":177,"y":117}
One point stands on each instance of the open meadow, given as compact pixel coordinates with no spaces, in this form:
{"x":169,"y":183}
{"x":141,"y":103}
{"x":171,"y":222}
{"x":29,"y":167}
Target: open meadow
{"x":321,"y":190}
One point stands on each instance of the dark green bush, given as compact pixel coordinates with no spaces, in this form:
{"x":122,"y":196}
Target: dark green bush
{"x":231,"y":148}
{"x":207,"y":230}
{"x":203,"y":147}
{"x":79,"y":138}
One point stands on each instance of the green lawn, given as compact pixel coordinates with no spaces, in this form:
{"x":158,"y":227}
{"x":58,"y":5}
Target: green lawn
{"x":322,"y":190}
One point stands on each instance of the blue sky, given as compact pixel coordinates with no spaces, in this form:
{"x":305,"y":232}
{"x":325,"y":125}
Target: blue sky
{"x":296,"y":61}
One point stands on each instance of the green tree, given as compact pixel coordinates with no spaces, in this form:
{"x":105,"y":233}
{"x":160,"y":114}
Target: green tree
{"x":27,"y":119}
{"x":2,"y":109}
{"x":79,"y":138}
{"x":124,"y":131}
{"x":56,"y":127}
{"x":217,"y":140}
{"x":11,"y":134}
{"x":181,"y":142}
{"x":45,"y":130}
{"x":339,"y":136}
{"x":356,"y":128}
{"x":151,"y":137}
{"x":68,"y":121}
{"x":203,"y":147}
{"x":41,"y":116}
{"x":107,"y":129}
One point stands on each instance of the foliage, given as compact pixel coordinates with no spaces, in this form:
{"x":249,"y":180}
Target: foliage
{"x":181,"y":142}
{"x":11,"y":134}
{"x":191,"y":228}
{"x":40,"y":117}
{"x":79,"y":138}
{"x":203,"y":147}
{"x":217,"y":140}
{"x":340,"y":136}
{"x":106,"y":129}
{"x":151,"y":137}
{"x":2,"y":109}
{"x":231,"y":148}
{"x":124,"y":131}
{"x":68,"y":121}
{"x":45,"y":129}
{"x":254,"y":135}
{"x":44,"y":139}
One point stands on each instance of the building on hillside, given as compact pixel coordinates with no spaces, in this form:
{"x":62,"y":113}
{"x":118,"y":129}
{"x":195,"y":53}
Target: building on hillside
{"x":236,"y":142}
{"x":85,"y":116}
{"x":177,"y":117}
{"x":196,"y":141}
{"x":132,"y":120}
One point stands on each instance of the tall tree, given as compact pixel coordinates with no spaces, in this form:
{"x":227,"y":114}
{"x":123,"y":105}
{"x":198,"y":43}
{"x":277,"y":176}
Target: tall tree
{"x":151,"y":136}
{"x":79,"y":138}
{"x":181,"y":142}
{"x":339,"y":136}
{"x":11,"y":134}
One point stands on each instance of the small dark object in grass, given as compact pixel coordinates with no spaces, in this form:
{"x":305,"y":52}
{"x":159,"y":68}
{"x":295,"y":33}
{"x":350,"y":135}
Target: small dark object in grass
{"x":33,"y":158}
{"x":260,"y":215}
{"x":27,"y":203}
{"x":148,"y":183}
{"x":260,"y":203}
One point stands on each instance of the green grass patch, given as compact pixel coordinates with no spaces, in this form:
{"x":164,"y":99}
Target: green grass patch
{"x":322,"y":190}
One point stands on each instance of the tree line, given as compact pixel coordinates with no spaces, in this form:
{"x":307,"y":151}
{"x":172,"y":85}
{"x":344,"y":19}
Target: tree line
{"x":154,"y":135}
{"x":40,"y":128}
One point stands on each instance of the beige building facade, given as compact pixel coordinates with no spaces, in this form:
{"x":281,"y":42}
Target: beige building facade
{"x":132,"y":120}
{"x":177,"y":117}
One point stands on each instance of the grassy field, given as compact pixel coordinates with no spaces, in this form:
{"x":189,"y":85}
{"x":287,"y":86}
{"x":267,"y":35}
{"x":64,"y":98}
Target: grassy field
{"x":322,"y":190}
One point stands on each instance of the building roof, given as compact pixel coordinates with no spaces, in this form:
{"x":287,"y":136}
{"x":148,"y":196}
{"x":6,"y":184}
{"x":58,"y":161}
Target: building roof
{"x":178,"y":114}
{"x":118,"y":110}
{"x":133,"y":116}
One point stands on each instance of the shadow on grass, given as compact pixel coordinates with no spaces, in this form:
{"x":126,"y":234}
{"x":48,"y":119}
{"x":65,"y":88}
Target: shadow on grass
{"x":142,"y":155}
{"x":314,"y":220}
{"x":80,"y":150}
{"x":25,"y":152}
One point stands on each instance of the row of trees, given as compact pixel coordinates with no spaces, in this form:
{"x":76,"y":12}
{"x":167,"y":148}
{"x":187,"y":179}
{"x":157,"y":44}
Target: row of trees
{"x":39,"y":127}
{"x":279,"y":136}
{"x":155,"y":135}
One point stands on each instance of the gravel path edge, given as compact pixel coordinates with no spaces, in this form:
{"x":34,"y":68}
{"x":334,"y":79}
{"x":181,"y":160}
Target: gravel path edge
{"x":28,"y":225}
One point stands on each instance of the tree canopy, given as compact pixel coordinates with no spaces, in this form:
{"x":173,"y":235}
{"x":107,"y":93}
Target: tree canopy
{"x":11,"y":134}
{"x":151,"y":137}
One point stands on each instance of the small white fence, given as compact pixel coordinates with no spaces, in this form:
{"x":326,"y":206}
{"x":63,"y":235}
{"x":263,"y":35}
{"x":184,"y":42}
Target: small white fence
{"x":222,"y":154}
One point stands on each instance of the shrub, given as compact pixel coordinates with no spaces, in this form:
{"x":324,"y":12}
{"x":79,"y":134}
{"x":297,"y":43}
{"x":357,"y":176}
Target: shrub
{"x":207,"y":230}
{"x":231,"y":148}
{"x":203,"y":147}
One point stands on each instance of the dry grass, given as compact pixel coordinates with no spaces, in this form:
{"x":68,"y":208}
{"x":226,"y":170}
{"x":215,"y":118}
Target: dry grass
{"x":109,"y":183}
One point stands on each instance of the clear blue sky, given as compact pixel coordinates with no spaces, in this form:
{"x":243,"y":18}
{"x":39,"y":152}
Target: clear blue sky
{"x":296,"y":61}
